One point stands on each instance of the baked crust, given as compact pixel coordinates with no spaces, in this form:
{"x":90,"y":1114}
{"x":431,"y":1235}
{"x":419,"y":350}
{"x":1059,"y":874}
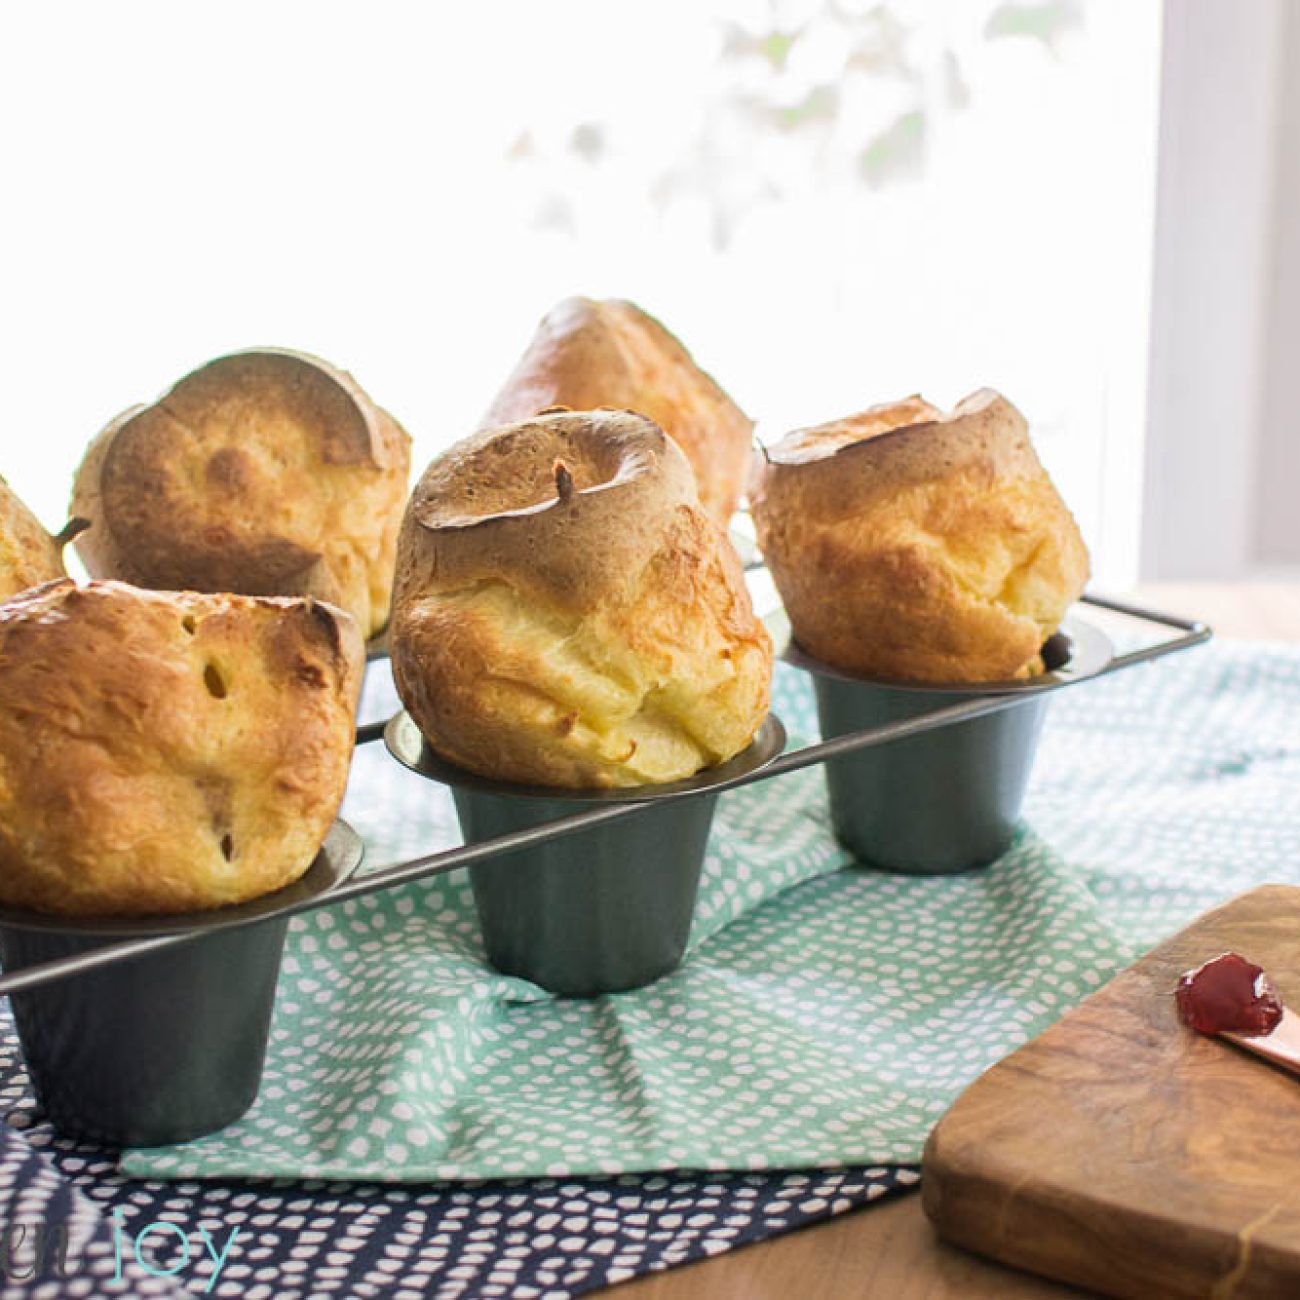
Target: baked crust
{"x":162,"y":752}
{"x":268,"y":473}
{"x":566,"y":614}
{"x":29,"y":556}
{"x":588,"y":354}
{"x":911,"y":544}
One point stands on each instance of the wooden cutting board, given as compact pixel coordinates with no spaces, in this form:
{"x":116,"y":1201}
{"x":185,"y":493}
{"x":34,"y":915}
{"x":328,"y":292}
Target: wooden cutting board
{"x":1122,"y":1152}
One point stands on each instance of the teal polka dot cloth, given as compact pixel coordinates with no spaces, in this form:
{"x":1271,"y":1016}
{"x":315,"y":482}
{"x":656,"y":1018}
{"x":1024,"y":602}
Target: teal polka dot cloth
{"x":826,"y":1014}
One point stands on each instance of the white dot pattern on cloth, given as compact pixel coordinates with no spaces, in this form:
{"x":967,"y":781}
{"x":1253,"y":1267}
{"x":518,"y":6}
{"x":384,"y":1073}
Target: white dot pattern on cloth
{"x":36,"y":1198}
{"x":831,"y":1022}
{"x":544,"y":1237}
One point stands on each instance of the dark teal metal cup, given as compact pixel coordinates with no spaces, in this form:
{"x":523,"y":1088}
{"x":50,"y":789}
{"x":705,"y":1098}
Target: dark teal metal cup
{"x":948,"y":799}
{"x":602,"y":909}
{"x":595,"y":912}
{"x":170,"y":1045}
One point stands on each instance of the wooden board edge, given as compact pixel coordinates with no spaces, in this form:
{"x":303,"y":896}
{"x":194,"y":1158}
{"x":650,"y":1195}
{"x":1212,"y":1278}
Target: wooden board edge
{"x":969,"y":1206}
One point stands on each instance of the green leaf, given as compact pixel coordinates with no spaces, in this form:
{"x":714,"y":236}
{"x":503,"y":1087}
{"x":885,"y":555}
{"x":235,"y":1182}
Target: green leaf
{"x":820,"y":104}
{"x":897,"y":151}
{"x":1045,"y":21}
{"x":775,"y":47}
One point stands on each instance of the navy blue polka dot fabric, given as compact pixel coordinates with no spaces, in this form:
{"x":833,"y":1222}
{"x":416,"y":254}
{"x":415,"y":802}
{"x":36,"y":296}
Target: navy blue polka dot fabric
{"x":281,"y":1240}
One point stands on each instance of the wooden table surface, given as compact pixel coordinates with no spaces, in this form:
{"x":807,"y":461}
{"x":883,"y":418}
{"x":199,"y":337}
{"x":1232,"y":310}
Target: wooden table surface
{"x":889,"y":1252}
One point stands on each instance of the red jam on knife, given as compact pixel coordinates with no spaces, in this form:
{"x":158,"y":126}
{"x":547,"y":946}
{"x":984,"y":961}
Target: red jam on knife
{"x":1228,"y":995}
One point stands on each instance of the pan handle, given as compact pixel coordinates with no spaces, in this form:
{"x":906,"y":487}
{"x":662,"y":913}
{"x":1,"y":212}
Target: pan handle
{"x":1190,"y":631}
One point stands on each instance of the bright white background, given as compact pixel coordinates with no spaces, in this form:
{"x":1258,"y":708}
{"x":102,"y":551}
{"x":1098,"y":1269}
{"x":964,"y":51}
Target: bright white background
{"x":923,"y":195}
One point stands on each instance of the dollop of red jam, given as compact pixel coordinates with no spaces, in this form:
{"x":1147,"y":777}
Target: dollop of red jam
{"x":1228,"y":995}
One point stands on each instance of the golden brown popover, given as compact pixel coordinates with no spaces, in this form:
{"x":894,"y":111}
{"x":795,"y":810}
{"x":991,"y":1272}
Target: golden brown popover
{"x":911,"y":544}
{"x":567,"y":614}
{"x":588,"y":354}
{"x":29,"y":556}
{"x":162,"y":752}
{"x":268,"y":473}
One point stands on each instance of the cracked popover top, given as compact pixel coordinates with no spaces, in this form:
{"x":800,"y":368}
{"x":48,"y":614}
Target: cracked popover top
{"x":267,"y":473}
{"x":590,"y":353}
{"x":29,"y":556}
{"x":567,"y":614}
{"x":909,"y":543}
{"x":164,"y":752}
